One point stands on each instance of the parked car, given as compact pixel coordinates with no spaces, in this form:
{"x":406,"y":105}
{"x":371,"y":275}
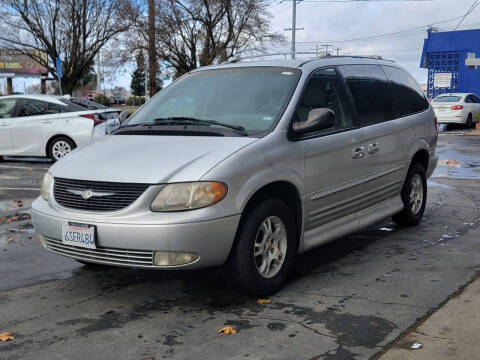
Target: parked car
{"x":45,"y":125}
{"x":246,"y":165}
{"x":117,"y":100}
{"x":458,"y":108}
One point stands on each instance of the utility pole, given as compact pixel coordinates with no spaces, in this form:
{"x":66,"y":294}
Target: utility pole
{"x":152,"y":58}
{"x":337,"y":50}
{"x":326,"y":48}
{"x":294,"y":24}
{"x":294,"y":28}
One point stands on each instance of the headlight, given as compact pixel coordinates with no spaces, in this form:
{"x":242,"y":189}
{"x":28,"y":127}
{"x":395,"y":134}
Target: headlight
{"x":46,"y":183}
{"x":188,"y":196}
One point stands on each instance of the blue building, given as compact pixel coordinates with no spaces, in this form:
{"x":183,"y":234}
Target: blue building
{"x":452,"y":63}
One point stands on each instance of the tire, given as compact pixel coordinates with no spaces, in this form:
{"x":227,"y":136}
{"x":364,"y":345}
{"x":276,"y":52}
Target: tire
{"x":243,"y":267}
{"x":413,"y":212}
{"x":59,"y":147}
{"x":469,"y":122}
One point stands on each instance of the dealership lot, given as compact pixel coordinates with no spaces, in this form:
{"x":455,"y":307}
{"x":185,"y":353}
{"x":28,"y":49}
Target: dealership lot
{"x":346,"y":300}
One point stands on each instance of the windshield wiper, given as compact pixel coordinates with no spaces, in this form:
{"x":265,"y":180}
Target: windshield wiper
{"x":185,"y":120}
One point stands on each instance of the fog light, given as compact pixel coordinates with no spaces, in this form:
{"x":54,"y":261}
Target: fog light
{"x":42,"y":241}
{"x":171,"y":258}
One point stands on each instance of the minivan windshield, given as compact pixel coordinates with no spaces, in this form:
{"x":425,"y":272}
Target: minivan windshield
{"x":448,"y":98}
{"x":250,"y":98}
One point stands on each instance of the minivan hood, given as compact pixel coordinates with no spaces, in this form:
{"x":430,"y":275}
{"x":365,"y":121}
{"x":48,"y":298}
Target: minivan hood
{"x":147,"y":158}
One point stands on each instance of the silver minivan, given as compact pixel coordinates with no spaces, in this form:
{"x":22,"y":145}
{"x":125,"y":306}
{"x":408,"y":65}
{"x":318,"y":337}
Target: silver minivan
{"x":246,"y":165}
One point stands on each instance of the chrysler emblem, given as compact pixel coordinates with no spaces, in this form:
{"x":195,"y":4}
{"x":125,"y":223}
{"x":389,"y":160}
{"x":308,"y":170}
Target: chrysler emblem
{"x":87,"y":194}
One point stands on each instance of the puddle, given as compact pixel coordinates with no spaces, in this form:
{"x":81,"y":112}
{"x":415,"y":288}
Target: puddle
{"x":455,"y":165}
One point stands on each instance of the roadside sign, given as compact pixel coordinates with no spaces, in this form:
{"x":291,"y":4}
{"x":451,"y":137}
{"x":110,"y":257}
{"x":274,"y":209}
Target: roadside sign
{"x":442,"y":80}
{"x":59,"y":67}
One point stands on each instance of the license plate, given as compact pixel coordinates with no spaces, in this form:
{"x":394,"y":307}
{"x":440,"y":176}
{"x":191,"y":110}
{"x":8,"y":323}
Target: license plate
{"x":78,"y":234}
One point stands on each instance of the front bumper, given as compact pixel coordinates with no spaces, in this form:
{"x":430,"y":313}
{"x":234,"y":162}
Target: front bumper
{"x":132,"y":245}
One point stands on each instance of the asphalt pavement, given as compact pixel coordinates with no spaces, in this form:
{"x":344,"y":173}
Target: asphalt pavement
{"x":349,"y":299}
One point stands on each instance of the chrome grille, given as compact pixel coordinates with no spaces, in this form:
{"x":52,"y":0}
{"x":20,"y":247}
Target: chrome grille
{"x":123,"y":194}
{"x":113,"y":256}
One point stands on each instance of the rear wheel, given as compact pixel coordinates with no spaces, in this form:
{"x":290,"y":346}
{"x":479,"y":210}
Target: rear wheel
{"x":414,"y":197}
{"x":469,"y":123}
{"x":264,"y":249}
{"x":59,"y":147}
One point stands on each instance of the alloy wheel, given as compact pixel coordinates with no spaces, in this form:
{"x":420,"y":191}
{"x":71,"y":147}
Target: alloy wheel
{"x":270,"y":247}
{"x":416,"y":193}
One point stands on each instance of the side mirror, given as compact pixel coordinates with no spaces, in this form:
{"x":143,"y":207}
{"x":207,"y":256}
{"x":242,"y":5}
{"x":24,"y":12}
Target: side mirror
{"x":317,"y":119}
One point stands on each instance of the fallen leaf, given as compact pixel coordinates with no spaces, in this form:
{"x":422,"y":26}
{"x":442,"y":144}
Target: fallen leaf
{"x":5,"y":336}
{"x":264,"y":301}
{"x":28,"y":169}
{"x":10,"y":239}
{"x":20,"y":203}
{"x":227,"y":330}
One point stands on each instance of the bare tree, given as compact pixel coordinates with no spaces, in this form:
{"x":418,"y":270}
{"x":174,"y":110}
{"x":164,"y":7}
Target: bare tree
{"x":74,"y":30}
{"x":190,"y":33}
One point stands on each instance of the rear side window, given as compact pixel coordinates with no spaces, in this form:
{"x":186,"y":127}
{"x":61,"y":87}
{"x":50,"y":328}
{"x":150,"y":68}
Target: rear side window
{"x":450,"y":98}
{"x":30,"y":107}
{"x":76,"y":104}
{"x":406,"y":96}
{"x":6,"y":108}
{"x":369,"y":87}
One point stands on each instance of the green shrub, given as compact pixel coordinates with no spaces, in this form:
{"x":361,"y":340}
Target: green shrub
{"x":102,"y":99}
{"x":136,"y":100}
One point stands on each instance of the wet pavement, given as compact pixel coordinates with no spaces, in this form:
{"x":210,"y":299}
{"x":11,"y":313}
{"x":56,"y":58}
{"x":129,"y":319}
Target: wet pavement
{"x":348,"y":299}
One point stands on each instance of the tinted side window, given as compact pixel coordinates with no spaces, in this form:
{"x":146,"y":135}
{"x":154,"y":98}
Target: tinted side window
{"x":368,"y":85}
{"x":324,"y":90}
{"x":7,"y":106}
{"x":469,"y":100}
{"x":34,"y":108}
{"x":476,"y":99}
{"x":405,"y":93}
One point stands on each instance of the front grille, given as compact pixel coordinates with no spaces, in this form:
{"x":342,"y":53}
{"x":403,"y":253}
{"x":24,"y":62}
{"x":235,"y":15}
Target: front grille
{"x":113,"y":256}
{"x":123,"y":194}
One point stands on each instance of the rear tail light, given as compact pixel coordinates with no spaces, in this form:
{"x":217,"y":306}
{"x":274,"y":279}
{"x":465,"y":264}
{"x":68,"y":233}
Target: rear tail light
{"x":457,"y":107}
{"x":436,"y":124}
{"x":94,"y":117}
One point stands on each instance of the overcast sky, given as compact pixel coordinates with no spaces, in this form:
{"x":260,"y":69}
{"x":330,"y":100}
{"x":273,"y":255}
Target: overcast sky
{"x":330,"y":21}
{"x":333,"y":21}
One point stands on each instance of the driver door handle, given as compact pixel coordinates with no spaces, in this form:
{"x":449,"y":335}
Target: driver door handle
{"x":358,"y":152}
{"x":373,"y":148}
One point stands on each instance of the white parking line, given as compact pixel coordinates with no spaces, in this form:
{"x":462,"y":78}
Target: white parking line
{"x":20,"y":188}
{"x":21,"y":167}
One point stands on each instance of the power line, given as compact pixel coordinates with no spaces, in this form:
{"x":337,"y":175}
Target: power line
{"x":474,"y":5}
{"x":384,"y":35}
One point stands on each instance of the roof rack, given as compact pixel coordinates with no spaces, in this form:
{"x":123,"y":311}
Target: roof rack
{"x":373,"y":57}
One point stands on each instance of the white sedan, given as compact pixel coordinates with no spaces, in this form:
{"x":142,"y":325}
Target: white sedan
{"x":458,"y":108}
{"x":45,"y":125}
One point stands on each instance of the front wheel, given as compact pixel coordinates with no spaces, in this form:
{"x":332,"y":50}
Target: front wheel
{"x":60,"y":147}
{"x":414,"y":197}
{"x":264,"y":249}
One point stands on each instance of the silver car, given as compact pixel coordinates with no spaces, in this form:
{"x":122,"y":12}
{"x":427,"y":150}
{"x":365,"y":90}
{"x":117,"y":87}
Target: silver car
{"x":246,"y":165}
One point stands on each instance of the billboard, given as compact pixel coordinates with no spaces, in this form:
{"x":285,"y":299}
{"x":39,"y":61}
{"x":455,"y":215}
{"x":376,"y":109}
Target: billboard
{"x":14,"y":62}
